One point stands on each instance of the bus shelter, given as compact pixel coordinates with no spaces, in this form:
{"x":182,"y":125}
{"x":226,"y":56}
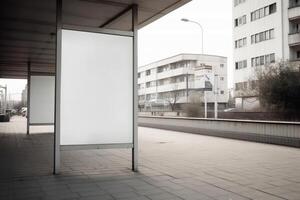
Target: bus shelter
{"x":80,"y":60}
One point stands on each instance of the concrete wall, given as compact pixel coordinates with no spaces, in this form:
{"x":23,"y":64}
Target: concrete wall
{"x":283,"y":133}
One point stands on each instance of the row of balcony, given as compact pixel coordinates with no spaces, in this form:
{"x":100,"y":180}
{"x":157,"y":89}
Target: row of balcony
{"x":166,"y":88}
{"x":165,"y":74}
{"x":294,"y":17}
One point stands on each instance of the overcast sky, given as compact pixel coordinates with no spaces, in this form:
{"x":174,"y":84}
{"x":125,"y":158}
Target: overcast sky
{"x":169,"y":36}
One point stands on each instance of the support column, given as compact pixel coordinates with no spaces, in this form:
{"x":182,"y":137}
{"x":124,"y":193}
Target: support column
{"x":135,"y":94}
{"x":216,"y":92}
{"x":57,"y":87}
{"x":205,"y":105}
{"x":28,"y":96}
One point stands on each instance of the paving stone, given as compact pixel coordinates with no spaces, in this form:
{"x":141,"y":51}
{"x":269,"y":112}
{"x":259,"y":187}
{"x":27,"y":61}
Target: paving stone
{"x":172,"y":165}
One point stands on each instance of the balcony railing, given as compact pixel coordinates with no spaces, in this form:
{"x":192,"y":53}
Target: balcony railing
{"x":294,"y":39}
{"x":294,"y":12}
{"x":174,"y":72}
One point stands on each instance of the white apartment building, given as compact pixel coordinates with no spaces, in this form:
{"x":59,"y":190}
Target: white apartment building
{"x":264,"y":32}
{"x":185,"y":75}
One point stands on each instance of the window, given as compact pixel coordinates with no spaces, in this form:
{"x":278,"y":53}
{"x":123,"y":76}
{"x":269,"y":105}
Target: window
{"x":298,"y":54}
{"x":148,"y":72}
{"x":252,"y":16}
{"x":271,"y":32}
{"x":267,"y":37}
{"x":148,"y":96}
{"x":141,"y":97}
{"x":160,"y":82}
{"x":267,"y":57}
{"x":222,"y":92}
{"x":256,"y":38}
{"x":151,"y":84}
{"x":262,"y":36}
{"x":237,"y":2}
{"x":244,"y":63}
{"x":257,"y":61}
{"x":221,"y":65}
{"x":241,"y":43}
{"x":272,"y":8}
{"x":163,"y":68}
{"x":222,"y":78}
{"x":262,"y":12}
{"x":236,"y":22}
{"x":180,"y":79}
{"x":294,"y":3}
{"x":244,"y":41}
{"x":257,"y":14}
{"x":139,"y":75}
{"x":267,"y":10}
{"x":272,"y":58}
{"x":241,"y":64}
{"x":240,"y":21}
{"x":159,"y":70}
{"x":263,"y":60}
{"x":241,"y":86}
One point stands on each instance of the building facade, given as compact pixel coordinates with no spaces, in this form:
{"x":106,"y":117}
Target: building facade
{"x":264,"y":32}
{"x":180,"y":77}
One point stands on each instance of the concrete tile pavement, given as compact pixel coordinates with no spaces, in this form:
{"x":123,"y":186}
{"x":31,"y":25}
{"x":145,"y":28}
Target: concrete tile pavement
{"x":173,"y":165}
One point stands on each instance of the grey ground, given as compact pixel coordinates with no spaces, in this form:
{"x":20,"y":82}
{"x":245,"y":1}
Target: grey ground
{"x":173,"y":166}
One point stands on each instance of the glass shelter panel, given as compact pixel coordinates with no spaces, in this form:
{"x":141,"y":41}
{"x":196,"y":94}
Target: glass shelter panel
{"x":42,"y":90}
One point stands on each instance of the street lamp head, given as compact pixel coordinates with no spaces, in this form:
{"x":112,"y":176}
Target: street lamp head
{"x":185,"y":20}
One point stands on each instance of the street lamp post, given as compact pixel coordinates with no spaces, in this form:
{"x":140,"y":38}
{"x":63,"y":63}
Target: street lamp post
{"x":216,"y":92}
{"x":205,"y":99}
{"x":202,"y":32}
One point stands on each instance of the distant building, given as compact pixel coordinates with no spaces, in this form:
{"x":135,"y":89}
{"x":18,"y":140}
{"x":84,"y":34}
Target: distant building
{"x":183,"y":75}
{"x":24,"y":96}
{"x":264,"y":32}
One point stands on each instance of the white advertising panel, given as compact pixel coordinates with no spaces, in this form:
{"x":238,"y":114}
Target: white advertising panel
{"x":203,"y":79}
{"x":42,"y":90}
{"x":96,"y":89}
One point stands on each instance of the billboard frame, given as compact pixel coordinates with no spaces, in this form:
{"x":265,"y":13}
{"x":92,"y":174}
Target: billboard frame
{"x":57,"y":114}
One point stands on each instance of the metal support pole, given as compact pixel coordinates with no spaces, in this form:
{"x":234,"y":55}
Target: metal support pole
{"x":187,"y":87}
{"x":216,"y":95}
{"x":205,"y":105}
{"x":5,"y":99}
{"x":28,"y":96}
{"x":135,"y":99}
{"x":57,"y":87}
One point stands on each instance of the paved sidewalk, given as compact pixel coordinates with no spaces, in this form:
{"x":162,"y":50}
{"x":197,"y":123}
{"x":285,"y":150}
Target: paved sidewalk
{"x":173,"y":166}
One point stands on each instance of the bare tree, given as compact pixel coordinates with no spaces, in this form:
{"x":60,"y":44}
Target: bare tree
{"x":172,"y":99}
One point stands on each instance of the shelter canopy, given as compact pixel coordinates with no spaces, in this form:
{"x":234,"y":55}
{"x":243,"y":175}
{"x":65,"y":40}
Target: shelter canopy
{"x":28,"y":28}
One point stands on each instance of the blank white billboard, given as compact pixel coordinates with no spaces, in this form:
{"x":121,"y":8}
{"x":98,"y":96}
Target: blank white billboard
{"x":42,"y":91}
{"x":96,"y":89}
